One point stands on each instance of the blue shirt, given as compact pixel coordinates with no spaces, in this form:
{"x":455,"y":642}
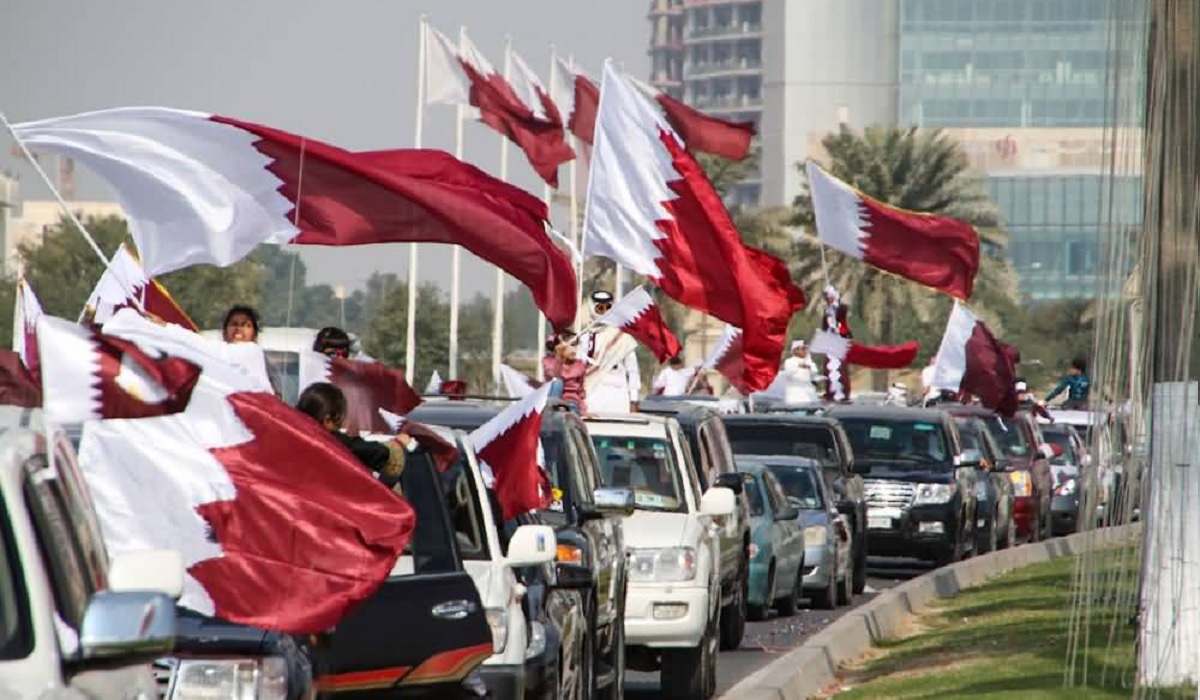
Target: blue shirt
{"x":1077,"y":387}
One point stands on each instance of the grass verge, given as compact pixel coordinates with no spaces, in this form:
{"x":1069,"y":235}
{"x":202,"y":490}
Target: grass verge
{"x":1005,"y":639}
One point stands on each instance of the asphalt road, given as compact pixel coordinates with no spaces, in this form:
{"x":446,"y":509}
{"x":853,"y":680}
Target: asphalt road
{"x":766,"y":641}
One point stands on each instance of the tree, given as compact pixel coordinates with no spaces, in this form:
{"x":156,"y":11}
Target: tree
{"x":918,"y":170}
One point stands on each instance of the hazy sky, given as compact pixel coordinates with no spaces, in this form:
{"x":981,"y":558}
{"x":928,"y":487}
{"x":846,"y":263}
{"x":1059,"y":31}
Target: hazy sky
{"x":343,"y":71}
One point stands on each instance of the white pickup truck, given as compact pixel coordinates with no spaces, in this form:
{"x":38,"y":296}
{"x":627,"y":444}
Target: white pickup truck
{"x":672,"y":612}
{"x":73,"y":625}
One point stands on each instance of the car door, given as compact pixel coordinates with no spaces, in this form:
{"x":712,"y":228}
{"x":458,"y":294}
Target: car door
{"x":966,"y":476}
{"x":730,"y":540}
{"x":603,"y":534}
{"x":786,"y":534}
{"x":854,"y":496}
{"x":368,"y":651}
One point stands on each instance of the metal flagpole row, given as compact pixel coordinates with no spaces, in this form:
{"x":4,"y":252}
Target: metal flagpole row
{"x":410,"y":336}
{"x":456,"y":251}
{"x":498,"y":309}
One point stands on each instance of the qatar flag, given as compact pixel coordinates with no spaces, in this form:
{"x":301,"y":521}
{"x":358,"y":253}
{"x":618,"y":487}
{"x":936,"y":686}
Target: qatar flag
{"x":125,"y":277}
{"x":726,"y":358}
{"x":851,"y":352}
{"x":507,"y":447}
{"x":638,"y":315}
{"x":527,"y":117}
{"x":652,"y":209}
{"x":17,"y":385}
{"x":200,"y":188}
{"x":87,"y":375}
{"x":971,"y":360}
{"x":25,"y":319}
{"x":369,"y":387}
{"x":578,"y":99}
{"x":936,"y":251}
{"x":516,"y":384}
{"x":279,"y":524}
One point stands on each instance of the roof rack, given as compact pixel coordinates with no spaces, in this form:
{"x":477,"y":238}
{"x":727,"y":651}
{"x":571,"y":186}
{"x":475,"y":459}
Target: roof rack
{"x":468,"y":397}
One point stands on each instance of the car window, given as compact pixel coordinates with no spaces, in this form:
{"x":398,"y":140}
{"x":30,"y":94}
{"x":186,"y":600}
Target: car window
{"x":708,"y":465}
{"x":463,"y":501}
{"x":720,"y":441}
{"x":83,"y":518}
{"x":589,"y":470}
{"x":779,"y":500}
{"x":16,"y":629}
{"x":897,"y":439}
{"x":693,"y":482}
{"x":814,"y":442}
{"x":1063,"y":440}
{"x":433,"y":542}
{"x":754,"y":494}
{"x":646,"y":465}
{"x":801,"y":485}
{"x":1011,"y":437}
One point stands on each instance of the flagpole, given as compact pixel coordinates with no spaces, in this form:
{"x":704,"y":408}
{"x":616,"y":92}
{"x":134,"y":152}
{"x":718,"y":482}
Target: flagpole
{"x":576,"y":231}
{"x":456,"y":251}
{"x":597,"y":137}
{"x":410,"y":330}
{"x":548,"y":195}
{"x":71,"y":216}
{"x":498,"y":310}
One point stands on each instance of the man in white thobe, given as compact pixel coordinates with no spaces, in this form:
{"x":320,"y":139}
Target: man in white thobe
{"x":613,"y":382}
{"x":675,"y":379}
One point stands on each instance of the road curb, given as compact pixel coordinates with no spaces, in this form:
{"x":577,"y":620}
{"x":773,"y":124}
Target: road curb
{"x":814,"y":666}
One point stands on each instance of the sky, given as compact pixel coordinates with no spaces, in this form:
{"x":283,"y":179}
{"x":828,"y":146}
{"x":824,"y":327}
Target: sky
{"x":342,"y":71}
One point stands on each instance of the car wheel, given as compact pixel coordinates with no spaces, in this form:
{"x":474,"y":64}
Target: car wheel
{"x":616,"y":691}
{"x":585,"y":682}
{"x":786,"y":605}
{"x":986,"y":541}
{"x":860,"y":562}
{"x":1010,"y":532}
{"x":954,"y":553}
{"x":845,"y":588}
{"x":733,"y":617}
{"x":758,"y":613}
{"x":691,"y":673}
{"x":826,"y":598}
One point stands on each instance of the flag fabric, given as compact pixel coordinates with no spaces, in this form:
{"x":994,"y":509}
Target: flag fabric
{"x":280,"y":526}
{"x":936,"y":251}
{"x":17,"y":385}
{"x":1013,"y":354}
{"x":638,"y":315}
{"x":368,"y":386}
{"x":873,"y":356}
{"x":516,"y":384}
{"x":971,"y":360}
{"x":200,"y":188}
{"x":727,"y":358}
{"x":578,"y":100}
{"x":124,"y":277}
{"x":87,"y":375}
{"x":434,"y":387}
{"x":704,"y":133}
{"x":25,"y":320}
{"x":526,"y":116}
{"x":507,"y":448}
{"x":652,"y":210}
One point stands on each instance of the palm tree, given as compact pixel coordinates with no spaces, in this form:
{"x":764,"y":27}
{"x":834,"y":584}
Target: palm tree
{"x":918,"y":170}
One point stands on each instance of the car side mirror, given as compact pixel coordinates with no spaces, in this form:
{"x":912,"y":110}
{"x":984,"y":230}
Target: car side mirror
{"x":158,"y":570}
{"x":573,"y":577}
{"x":609,"y":501}
{"x":732,"y":481}
{"x":531,"y":545}
{"x":127,"y":626}
{"x":717,"y":502}
{"x":788,"y":513}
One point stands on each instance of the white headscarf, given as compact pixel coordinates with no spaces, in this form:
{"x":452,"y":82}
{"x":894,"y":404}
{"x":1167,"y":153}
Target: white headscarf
{"x":832,"y":292}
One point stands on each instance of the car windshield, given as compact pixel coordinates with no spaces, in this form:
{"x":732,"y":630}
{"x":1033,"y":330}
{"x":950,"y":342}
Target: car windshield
{"x":754,"y":494}
{"x":1011,"y":438}
{"x":800,"y":485}
{"x":1063,"y":440}
{"x":644,"y":464}
{"x":813,"y":441}
{"x":897,"y":439}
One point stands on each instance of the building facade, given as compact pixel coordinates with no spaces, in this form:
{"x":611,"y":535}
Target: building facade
{"x":28,"y":222}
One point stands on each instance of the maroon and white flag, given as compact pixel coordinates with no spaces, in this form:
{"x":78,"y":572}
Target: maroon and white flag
{"x":726,"y":358}
{"x":578,"y":99}
{"x":652,"y":209}
{"x":17,"y":385}
{"x":25,"y":319}
{"x":279,"y":525}
{"x":369,"y":386}
{"x":971,"y":360}
{"x":851,"y":352}
{"x":234,"y":185}
{"x":638,"y":315}
{"x":936,"y":251}
{"x":87,"y":375}
{"x":507,"y":447}
{"x":125,"y":277}
{"x":527,"y":117}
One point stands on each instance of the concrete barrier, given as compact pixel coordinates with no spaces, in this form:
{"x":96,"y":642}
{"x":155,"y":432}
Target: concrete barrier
{"x":815,"y":665}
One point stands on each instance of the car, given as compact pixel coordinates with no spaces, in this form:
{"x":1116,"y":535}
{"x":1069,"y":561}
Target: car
{"x":586,"y":518}
{"x":995,"y":520}
{"x":705,"y":436}
{"x":777,"y":549}
{"x":1068,"y":466}
{"x":73,"y":622}
{"x":822,"y":438}
{"x":920,"y":492}
{"x":1027,"y":457}
{"x":673,"y":611}
{"x":1102,"y":457}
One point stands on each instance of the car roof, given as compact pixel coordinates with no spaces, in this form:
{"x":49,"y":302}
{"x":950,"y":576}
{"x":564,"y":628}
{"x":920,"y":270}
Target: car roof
{"x":631,"y":425}
{"x":781,"y":418}
{"x":886,"y":412}
{"x":685,"y":413}
{"x":468,"y":414}
{"x":961,"y":410}
{"x":778,"y":460}
{"x":1077,"y":418}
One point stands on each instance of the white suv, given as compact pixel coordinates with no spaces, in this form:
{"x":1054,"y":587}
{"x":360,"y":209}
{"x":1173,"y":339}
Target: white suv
{"x":673,"y":606}
{"x":72,"y":624}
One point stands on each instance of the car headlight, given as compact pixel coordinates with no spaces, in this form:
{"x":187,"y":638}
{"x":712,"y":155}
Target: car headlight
{"x":498,"y":620}
{"x":663,"y":565}
{"x":1022,"y":484}
{"x":815,"y":536}
{"x":934,"y":493}
{"x":537,"y":640}
{"x":1066,"y":488}
{"x":231,"y":679}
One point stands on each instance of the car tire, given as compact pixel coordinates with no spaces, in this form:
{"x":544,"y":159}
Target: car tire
{"x":1010,"y":532}
{"x":616,"y":691}
{"x":690,"y":674}
{"x":860,"y":562}
{"x":954,"y":553}
{"x":733,"y":616}
{"x":826,"y":598}
{"x":758,"y":613}
{"x":845,"y":588}
{"x":587,"y":672}
{"x":788,"y":604}
{"x":988,"y":541}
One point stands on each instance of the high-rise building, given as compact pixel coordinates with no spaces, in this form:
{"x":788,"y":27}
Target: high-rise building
{"x":666,"y":46}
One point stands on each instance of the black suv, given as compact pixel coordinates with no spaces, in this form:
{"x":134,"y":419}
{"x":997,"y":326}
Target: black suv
{"x":822,"y":439}
{"x":706,"y":440}
{"x":586,"y":520}
{"x":920,"y":493}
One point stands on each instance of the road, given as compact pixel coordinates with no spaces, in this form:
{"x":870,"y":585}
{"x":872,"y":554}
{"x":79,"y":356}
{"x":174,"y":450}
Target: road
{"x":766,"y":641}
